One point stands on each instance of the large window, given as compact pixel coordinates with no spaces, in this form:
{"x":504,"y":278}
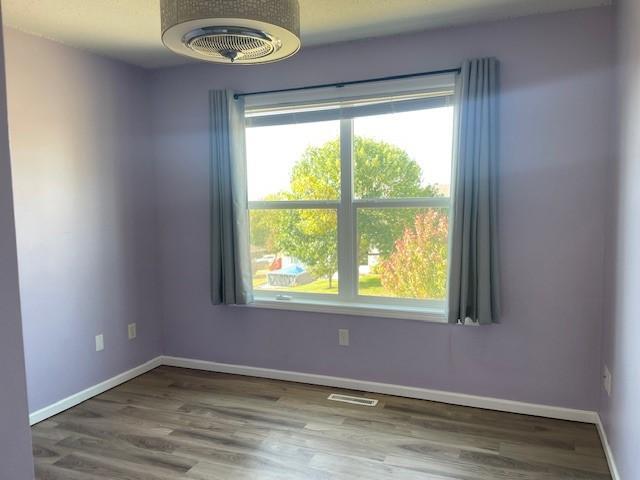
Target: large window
{"x":349,"y":199}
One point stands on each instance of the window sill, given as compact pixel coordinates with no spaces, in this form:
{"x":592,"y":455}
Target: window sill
{"x":361,"y":309}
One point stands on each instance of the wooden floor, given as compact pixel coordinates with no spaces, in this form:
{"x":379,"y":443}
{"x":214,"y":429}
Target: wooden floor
{"x":183,"y":424}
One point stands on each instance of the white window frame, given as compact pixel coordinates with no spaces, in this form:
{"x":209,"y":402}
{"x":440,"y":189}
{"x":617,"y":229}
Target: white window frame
{"x":348,"y":301}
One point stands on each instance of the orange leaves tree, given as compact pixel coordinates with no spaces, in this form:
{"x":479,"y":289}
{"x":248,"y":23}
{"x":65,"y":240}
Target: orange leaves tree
{"x":417,"y":266}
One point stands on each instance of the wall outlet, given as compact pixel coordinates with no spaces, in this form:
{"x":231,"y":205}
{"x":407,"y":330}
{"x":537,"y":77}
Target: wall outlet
{"x":343,"y":337}
{"x":606,"y":380}
{"x":132,"y":331}
{"x":99,"y":343}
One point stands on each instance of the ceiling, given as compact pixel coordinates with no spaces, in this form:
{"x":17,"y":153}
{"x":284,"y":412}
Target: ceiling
{"x":128,"y":30}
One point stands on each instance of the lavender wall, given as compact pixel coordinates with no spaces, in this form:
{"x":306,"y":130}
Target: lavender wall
{"x":15,"y":439}
{"x":621,"y":338}
{"x":83,"y":186}
{"x":555,"y":147}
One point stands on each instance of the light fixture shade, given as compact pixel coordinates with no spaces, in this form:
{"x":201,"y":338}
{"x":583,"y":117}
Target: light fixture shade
{"x":232,"y":31}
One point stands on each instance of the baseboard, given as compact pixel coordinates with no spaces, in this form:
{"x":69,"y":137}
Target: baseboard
{"x":607,"y":449}
{"x":488,"y":403}
{"x":75,"y":399}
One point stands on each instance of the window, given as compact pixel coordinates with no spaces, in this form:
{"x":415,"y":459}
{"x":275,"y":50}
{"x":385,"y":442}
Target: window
{"x":349,"y":197}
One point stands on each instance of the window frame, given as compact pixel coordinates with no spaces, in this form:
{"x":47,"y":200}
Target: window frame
{"x":432,"y":92}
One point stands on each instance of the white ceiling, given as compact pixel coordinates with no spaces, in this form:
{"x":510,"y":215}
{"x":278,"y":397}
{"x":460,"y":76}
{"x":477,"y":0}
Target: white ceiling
{"x":128,"y":30}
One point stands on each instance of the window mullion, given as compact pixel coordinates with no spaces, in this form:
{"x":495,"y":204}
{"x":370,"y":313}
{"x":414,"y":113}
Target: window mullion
{"x":347,"y":264}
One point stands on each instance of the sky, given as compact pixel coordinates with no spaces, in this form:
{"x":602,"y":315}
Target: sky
{"x":426,"y":135}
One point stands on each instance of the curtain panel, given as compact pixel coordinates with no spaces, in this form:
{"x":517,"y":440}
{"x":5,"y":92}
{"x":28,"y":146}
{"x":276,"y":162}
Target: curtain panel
{"x":230,"y":256}
{"x":473,"y":269}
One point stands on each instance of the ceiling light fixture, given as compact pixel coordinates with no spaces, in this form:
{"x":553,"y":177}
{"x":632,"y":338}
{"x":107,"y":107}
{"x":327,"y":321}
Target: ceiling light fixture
{"x":232,"y":31}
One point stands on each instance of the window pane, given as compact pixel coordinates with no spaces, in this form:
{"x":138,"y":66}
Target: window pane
{"x":294,"y":162}
{"x":294,"y":250}
{"x":403,"y":155}
{"x":403,"y":252}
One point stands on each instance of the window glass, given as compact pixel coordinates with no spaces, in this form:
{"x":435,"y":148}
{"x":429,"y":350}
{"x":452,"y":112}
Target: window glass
{"x":403,"y":252}
{"x":403,"y":155}
{"x":381,"y":239}
{"x":294,"y":162}
{"x":294,"y":250}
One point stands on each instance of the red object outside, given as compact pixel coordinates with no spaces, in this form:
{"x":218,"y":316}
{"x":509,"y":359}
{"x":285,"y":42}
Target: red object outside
{"x":276,"y":265}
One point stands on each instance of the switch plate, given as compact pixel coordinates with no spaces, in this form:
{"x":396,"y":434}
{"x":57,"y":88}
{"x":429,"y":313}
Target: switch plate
{"x":343,"y":337}
{"x":99,"y":343}
{"x":606,"y":380}
{"x":132,"y":329}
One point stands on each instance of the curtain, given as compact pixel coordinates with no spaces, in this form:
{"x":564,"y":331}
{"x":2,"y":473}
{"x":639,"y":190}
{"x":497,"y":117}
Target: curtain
{"x":230,"y":259}
{"x":473,"y":269}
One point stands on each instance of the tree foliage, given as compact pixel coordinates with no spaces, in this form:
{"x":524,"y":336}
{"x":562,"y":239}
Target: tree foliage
{"x":381,"y":170}
{"x":263,"y":222}
{"x":311,"y":237}
{"x":417,"y":268}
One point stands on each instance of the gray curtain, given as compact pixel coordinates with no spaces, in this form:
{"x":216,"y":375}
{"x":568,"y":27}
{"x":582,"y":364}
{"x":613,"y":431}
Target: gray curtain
{"x":230,"y":260}
{"x":473,"y":270}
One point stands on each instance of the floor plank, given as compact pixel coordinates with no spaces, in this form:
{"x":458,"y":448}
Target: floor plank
{"x":185,"y":424}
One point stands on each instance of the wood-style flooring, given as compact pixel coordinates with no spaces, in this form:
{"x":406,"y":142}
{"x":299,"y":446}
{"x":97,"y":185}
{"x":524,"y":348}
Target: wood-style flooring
{"x":184,"y":424}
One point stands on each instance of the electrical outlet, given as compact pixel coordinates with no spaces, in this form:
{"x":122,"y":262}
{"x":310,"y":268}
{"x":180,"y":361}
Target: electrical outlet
{"x":132,"y":331}
{"x":343,"y":337}
{"x":606,"y":380}
{"x":99,"y":343}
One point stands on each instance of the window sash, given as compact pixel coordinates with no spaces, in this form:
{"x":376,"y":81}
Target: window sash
{"x":346,"y":207}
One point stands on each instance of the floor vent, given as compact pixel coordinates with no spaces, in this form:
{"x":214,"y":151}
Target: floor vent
{"x":366,"y":402}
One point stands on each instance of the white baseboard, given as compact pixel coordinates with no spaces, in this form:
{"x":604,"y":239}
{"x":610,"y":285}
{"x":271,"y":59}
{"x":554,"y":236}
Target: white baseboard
{"x":75,"y":399}
{"x":488,"y":403}
{"x":607,"y":450}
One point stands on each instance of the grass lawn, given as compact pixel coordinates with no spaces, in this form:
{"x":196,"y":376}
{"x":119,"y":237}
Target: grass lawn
{"x":260,"y":278}
{"x":318,"y":286}
{"x":369,"y":285}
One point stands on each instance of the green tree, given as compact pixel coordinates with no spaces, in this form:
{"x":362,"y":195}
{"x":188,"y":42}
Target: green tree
{"x":263,"y":234}
{"x":381,"y":170}
{"x":311,"y":237}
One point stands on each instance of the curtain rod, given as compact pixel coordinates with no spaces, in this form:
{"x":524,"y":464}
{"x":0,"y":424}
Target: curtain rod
{"x":352,"y":82}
